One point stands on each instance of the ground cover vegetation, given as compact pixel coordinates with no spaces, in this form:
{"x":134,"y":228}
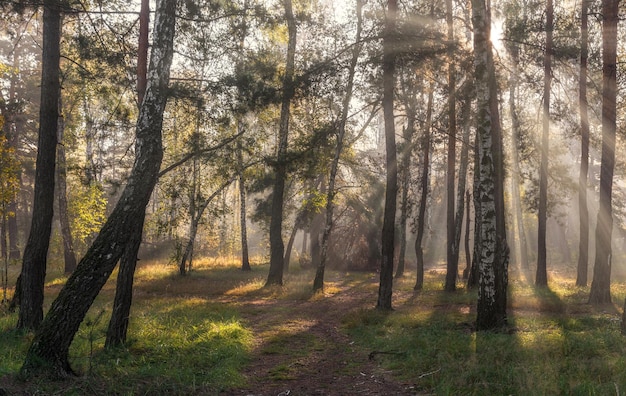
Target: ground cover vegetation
{"x":210,"y":196}
{"x":219,"y":331}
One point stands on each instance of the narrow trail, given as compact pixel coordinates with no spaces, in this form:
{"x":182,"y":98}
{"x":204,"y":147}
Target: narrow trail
{"x":301,"y":350}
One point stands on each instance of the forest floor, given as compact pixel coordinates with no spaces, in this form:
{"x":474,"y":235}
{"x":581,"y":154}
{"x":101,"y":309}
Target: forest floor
{"x":299,"y":346}
{"x":310,"y":354}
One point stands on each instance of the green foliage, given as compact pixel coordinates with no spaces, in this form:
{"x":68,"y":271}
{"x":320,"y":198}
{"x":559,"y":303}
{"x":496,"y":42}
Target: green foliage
{"x":87,"y":211}
{"x":9,"y":168}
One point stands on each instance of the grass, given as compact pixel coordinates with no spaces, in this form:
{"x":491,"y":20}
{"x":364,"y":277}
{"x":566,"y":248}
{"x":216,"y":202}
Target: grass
{"x":188,"y":335}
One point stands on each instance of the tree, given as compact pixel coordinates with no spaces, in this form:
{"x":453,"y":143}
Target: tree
{"x":542,"y":215}
{"x":120,"y":316}
{"x":583,"y":210}
{"x":452,"y":251}
{"x":48,"y":353}
{"x":425,"y":182}
{"x":277,"y":247}
{"x":318,"y":283}
{"x":601,"y":285}
{"x":32,"y":276}
{"x":385,"y":288}
{"x":61,"y":178}
{"x":493,"y":260}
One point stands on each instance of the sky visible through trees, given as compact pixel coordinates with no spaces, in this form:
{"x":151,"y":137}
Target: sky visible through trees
{"x":394,"y":137}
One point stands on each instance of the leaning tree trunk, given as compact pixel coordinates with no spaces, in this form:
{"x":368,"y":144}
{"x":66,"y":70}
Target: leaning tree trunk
{"x":583,"y":210}
{"x":277,"y":247}
{"x":35,"y":254}
{"x":542,"y":214}
{"x":601,"y":285}
{"x":385,"y":288}
{"x":425,"y":182}
{"x":318,"y":282}
{"x":66,"y":233}
{"x":48,"y":353}
{"x":492,"y":268}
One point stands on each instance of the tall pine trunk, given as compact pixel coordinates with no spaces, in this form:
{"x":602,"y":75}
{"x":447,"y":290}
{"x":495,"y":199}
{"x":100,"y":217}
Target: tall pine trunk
{"x":541,"y":278}
{"x":451,"y":248}
{"x":583,"y":210}
{"x":385,"y":288}
{"x":35,"y":253}
{"x":277,"y":247}
{"x":601,"y":285}
{"x":120,"y":316}
{"x":425,"y":182}
{"x":61,"y":178}
{"x":48,"y":353}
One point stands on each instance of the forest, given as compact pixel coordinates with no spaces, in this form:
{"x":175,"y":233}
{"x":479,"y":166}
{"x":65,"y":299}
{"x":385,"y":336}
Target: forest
{"x":303,"y":197}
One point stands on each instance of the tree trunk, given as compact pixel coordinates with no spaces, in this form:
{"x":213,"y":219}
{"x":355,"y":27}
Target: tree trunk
{"x":492,"y":268}
{"x":542,"y":215}
{"x":451,"y":248}
{"x":468,"y":254}
{"x":425,"y":182}
{"x":275,"y":276}
{"x":601,"y":285}
{"x":385,"y":288}
{"x":521,"y":247}
{"x":120,"y":316}
{"x":289,"y":248}
{"x":35,"y":253}
{"x":472,"y":279}
{"x":48,"y":353}
{"x":458,"y":221}
{"x":583,"y":214}
{"x":318,"y":282}
{"x":245,"y":259}
{"x":68,"y":244}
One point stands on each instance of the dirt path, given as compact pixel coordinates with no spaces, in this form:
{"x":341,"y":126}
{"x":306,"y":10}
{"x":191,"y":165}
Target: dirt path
{"x":304,"y":351}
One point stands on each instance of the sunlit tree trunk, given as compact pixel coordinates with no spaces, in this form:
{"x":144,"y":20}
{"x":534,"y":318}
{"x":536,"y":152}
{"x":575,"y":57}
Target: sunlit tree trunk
{"x":61,"y":190}
{"x":460,"y":208}
{"x":472,"y":279}
{"x":492,"y":265}
{"x":35,"y":254}
{"x":405,"y":173}
{"x":541,"y":278}
{"x":452,"y":254}
{"x":583,"y":214}
{"x":601,"y":284}
{"x":277,"y":247}
{"x":425,"y":182}
{"x":521,"y":246}
{"x":48,"y":353}
{"x":468,"y":252}
{"x":245,"y":256}
{"x":391,"y":190}
{"x":318,"y":283}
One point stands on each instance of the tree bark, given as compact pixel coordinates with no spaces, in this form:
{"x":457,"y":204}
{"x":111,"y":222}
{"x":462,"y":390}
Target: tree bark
{"x":451,"y":248}
{"x":493,"y":261}
{"x":601,"y":285}
{"x":468,"y":253}
{"x":425,"y":182}
{"x":120,"y":316}
{"x":68,"y":244}
{"x":521,"y":247}
{"x":277,"y":247}
{"x":583,"y":210}
{"x":35,"y":253}
{"x":48,"y":353}
{"x":318,"y":282}
{"x":385,"y":288}
{"x":542,"y":216}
